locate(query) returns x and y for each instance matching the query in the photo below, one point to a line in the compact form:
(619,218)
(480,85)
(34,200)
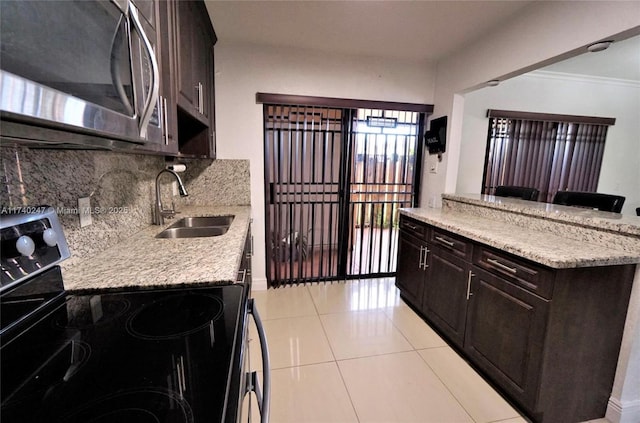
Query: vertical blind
(548,152)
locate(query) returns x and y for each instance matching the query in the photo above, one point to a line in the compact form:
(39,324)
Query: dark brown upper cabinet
(194,79)
(184,40)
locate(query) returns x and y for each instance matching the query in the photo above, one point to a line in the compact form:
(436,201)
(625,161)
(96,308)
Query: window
(544,151)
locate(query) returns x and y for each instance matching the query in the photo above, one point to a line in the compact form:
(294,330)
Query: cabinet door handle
(426,253)
(421,257)
(445,242)
(469,293)
(165,120)
(200,98)
(502,266)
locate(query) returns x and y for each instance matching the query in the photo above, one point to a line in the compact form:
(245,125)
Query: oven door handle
(264,396)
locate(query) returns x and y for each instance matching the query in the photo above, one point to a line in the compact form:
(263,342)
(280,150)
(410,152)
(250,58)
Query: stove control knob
(25,246)
(50,237)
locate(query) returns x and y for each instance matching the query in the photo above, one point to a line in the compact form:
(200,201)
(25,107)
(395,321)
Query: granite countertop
(547,248)
(145,262)
(613,222)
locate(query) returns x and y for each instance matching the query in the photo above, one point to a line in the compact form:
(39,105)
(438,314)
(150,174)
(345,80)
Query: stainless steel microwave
(79,74)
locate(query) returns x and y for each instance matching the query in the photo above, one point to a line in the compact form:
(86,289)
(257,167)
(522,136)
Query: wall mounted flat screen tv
(435,138)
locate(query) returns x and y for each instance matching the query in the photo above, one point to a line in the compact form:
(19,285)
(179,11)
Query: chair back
(594,200)
(525,193)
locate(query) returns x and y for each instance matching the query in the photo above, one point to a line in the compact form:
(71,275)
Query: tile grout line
(335,361)
(398,329)
(346,388)
(442,381)
(447,387)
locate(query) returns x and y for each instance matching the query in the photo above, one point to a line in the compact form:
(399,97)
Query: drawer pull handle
(412,227)
(445,242)
(502,266)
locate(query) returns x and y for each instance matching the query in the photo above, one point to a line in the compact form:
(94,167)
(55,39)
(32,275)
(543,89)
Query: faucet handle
(168,213)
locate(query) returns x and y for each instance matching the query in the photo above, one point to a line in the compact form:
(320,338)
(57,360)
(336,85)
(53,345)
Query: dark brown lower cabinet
(445,296)
(410,272)
(549,339)
(505,334)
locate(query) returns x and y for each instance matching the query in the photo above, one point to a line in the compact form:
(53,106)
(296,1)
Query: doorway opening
(335,178)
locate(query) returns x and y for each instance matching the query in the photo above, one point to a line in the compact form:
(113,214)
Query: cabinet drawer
(459,246)
(528,275)
(413,227)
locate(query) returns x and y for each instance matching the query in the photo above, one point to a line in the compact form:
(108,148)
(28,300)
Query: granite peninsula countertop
(144,262)
(612,222)
(547,248)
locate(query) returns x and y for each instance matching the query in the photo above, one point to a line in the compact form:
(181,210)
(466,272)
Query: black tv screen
(435,138)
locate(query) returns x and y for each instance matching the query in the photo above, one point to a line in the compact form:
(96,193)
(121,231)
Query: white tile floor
(354,352)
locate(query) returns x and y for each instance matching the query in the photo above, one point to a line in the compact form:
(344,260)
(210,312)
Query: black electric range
(170,356)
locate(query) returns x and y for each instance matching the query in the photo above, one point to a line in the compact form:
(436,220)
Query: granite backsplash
(121,188)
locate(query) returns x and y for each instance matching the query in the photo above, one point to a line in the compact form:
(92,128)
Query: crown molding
(582,78)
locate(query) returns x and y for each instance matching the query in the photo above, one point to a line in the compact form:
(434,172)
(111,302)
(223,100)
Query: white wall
(541,33)
(554,93)
(242,70)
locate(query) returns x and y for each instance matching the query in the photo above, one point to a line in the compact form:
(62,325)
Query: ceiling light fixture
(599,46)
(493,83)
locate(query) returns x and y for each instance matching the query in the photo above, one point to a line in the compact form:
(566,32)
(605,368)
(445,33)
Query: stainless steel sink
(186,232)
(198,227)
(206,221)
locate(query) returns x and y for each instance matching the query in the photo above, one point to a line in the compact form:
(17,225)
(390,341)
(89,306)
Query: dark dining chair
(525,193)
(593,200)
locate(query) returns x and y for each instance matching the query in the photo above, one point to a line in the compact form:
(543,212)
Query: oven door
(76,67)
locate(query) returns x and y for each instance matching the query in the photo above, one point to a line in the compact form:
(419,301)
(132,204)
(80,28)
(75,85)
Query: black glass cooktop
(146,356)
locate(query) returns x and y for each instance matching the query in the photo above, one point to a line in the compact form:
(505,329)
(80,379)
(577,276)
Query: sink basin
(200,222)
(198,227)
(193,232)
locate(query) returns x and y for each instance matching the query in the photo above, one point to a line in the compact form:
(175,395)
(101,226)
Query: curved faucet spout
(160,212)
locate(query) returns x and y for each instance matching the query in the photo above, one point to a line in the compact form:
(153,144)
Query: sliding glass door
(334,180)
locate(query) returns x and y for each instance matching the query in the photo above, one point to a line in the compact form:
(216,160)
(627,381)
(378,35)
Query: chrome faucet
(161,213)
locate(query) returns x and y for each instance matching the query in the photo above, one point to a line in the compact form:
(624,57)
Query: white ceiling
(621,61)
(416,30)
(419,30)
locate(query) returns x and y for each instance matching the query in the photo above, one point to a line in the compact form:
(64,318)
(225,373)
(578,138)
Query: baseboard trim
(623,412)
(259,284)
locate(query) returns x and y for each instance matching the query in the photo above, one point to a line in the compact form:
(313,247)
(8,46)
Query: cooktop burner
(58,369)
(134,406)
(175,316)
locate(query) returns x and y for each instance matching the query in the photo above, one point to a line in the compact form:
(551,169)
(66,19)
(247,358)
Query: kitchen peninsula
(534,295)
